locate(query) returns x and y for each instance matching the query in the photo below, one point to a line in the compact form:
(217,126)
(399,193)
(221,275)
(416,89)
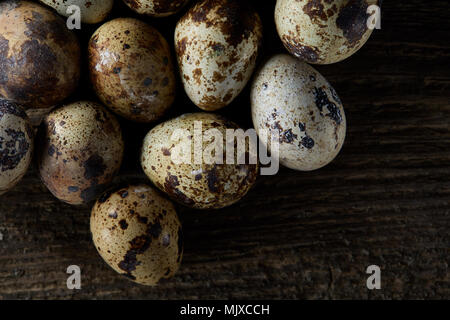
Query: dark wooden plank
(385,200)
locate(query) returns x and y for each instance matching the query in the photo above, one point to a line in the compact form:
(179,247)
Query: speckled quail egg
(137,232)
(79,151)
(217,43)
(156,8)
(92,11)
(16,144)
(296,103)
(323,31)
(184,157)
(39,56)
(131,69)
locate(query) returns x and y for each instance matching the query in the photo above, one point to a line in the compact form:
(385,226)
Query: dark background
(385,200)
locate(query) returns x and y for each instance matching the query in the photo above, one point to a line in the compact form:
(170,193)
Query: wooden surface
(385,200)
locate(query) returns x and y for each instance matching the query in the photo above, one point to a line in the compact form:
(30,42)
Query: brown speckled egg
(323,31)
(39,56)
(156,8)
(131,69)
(16,144)
(137,232)
(291,99)
(92,11)
(79,151)
(195,181)
(217,43)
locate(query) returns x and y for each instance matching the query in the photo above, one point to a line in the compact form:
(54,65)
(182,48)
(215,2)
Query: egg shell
(137,232)
(16,144)
(132,70)
(156,8)
(79,151)
(292,99)
(323,31)
(217,43)
(39,56)
(196,184)
(92,11)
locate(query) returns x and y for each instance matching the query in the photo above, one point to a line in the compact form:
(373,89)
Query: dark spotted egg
(185,158)
(16,144)
(156,8)
(131,69)
(296,103)
(79,151)
(323,31)
(137,232)
(39,56)
(217,43)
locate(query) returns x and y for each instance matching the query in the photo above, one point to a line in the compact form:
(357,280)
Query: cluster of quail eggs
(78,147)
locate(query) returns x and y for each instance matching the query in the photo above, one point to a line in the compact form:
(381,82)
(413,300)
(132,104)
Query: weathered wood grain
(384,201)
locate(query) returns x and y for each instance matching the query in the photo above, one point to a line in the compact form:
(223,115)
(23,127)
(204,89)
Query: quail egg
(156,8)
(185,157)
(131,69)
(217,43)
(292,100)
(323,31)
(39,56)
(137,232)
(92,11)
(16,144)
(79,151)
